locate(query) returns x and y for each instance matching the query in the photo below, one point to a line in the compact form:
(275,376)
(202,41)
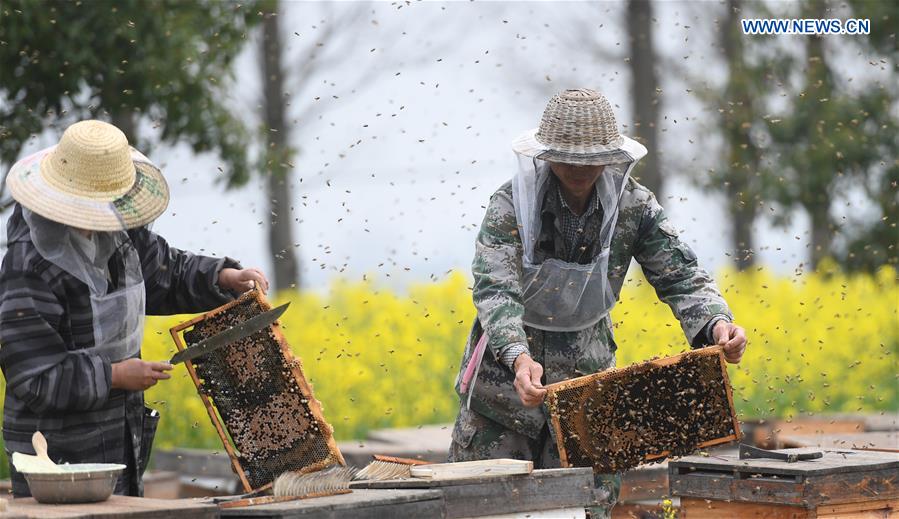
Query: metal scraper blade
(233,334)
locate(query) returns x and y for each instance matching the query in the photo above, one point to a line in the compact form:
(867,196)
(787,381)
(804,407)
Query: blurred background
(349,150)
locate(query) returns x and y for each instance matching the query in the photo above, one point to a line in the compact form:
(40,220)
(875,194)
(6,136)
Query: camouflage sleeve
(497,276)
(670,266)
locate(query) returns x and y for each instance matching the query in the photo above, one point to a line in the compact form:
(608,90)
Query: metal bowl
(75,483)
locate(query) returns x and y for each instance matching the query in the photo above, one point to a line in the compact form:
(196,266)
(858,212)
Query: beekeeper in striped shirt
(80,273)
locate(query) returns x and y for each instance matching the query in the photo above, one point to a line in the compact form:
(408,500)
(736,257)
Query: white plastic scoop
(26,463)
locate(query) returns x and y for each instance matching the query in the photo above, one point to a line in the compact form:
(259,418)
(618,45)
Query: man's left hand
(732,337)
(243,280)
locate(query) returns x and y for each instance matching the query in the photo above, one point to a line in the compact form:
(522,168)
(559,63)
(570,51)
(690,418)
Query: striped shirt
(54,382)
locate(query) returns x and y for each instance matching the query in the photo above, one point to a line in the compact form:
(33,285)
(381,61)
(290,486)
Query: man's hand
(138,375)
(527,380)
(243,280)
(732,337)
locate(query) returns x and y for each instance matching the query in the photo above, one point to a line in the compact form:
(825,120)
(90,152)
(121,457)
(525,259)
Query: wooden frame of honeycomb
(257,397)
(620,418)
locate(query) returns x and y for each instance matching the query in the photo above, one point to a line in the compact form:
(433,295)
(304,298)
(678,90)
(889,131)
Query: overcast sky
(410,133)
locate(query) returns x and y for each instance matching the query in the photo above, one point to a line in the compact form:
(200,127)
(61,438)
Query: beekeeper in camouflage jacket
(551,257)
(80,272)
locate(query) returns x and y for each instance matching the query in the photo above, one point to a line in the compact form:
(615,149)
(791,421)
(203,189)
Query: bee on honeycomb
(619,419)
(262,397)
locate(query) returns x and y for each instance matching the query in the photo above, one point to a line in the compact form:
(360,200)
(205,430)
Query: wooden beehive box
(257,397)
(843,483)
(542,493)
(620,418)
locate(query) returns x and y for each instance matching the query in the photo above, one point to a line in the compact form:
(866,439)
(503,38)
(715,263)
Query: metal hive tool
(258,398)
(621,418)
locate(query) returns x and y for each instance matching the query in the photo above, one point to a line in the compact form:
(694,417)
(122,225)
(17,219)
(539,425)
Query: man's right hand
(138,375)
(527,380)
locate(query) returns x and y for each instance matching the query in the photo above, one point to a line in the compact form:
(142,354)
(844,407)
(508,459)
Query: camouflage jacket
(642,232)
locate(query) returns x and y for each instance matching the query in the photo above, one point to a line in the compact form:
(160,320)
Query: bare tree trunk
(280,236)
(822,233)
(742,215)
(742,159)
(124,120)
(644,97)
(817,197)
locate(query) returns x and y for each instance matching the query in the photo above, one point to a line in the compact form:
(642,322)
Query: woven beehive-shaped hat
(92,179)
(578,127)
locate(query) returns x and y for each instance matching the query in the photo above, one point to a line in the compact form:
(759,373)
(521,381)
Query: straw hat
(91,180)
(578,127)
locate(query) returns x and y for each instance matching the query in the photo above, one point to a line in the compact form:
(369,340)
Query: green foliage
(802,129)
(167,60)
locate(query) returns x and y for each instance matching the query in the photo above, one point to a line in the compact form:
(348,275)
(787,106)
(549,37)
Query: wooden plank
(574,474)
(802,492)
(644,482)
(692,508)
(880,508)
(518,494)
(117,507)
(701,484)
(842,488)
(541,490)
(473,469)
(376,504)
(556,513)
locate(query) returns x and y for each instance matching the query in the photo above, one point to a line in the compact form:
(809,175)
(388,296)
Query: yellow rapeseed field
(818,342)
(822,342)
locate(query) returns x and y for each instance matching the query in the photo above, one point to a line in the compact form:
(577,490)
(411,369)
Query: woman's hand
(243,280)
(138,375)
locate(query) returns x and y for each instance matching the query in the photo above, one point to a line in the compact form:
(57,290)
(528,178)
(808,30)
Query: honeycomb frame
(293,397)
(610,438)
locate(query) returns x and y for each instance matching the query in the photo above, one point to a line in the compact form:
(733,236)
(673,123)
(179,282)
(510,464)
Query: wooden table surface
(113,508)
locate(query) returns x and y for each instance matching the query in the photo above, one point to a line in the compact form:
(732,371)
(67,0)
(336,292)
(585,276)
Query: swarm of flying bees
(262,398)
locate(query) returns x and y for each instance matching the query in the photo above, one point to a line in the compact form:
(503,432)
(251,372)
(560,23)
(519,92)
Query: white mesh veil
(118,316)
(559,295)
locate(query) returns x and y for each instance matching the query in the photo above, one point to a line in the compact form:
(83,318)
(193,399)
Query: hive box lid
(833,462)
